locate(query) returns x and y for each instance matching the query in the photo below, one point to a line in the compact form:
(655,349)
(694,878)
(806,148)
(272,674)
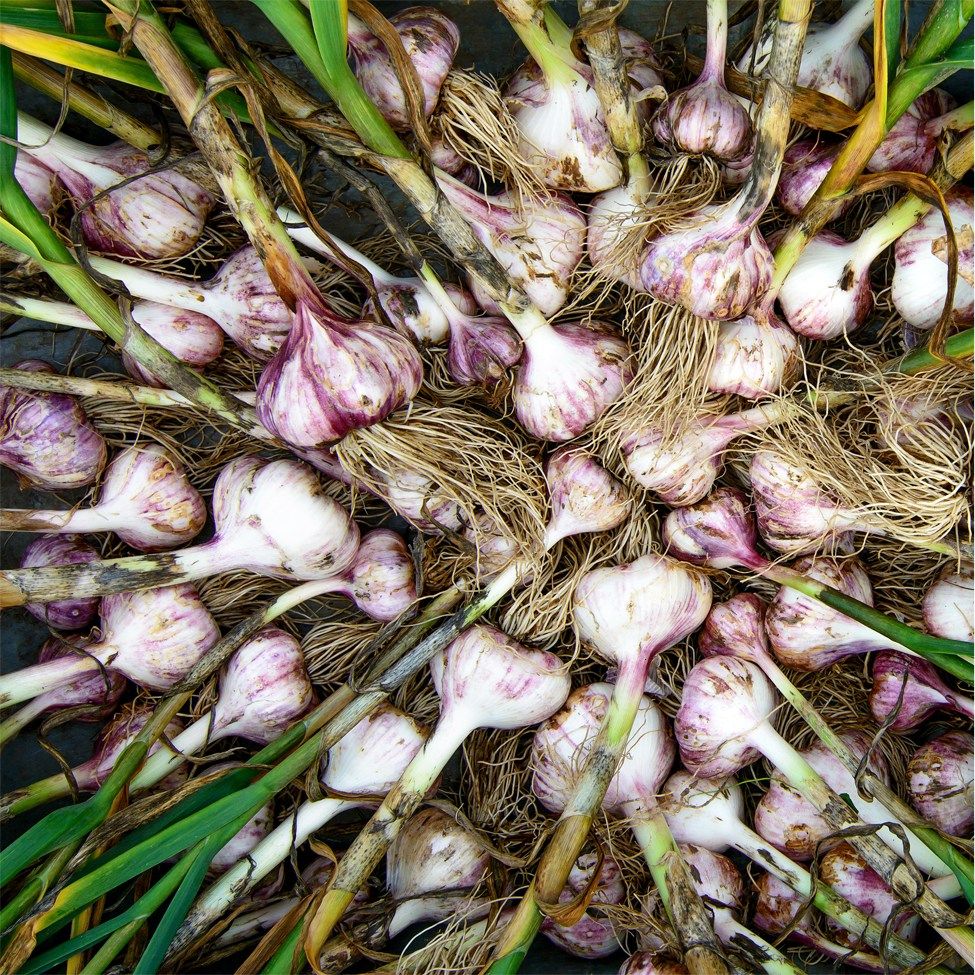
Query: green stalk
(959,346)
(34,890)
(944,23)
(287,960)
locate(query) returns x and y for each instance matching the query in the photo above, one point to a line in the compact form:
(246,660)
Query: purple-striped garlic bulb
(593,935)
(736,628)
(939,782)
(246,838)
(911,144)
(808,635)
(650,963)
(755,356)
(431,869)
(430,40)
(145,497)
(62,614)
(947,607)
(37,181)
(160,215)
(907,690)
(46,438)
(804,167)
(680,467)
(332,376)
(152,636)
(538,242)
(630,613)
(919,287)
(482,349)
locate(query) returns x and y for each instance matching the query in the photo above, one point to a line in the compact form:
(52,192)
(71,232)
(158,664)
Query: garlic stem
(29,682)
(55,312)
(58,149)
(717,42)
(848,30)
(163,761)
(771,960)
(163,288)
(12,726)
(553,64)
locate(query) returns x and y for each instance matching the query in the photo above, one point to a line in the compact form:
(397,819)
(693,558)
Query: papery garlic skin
(415,498)
(806,634)
(331,377)
(747,700)
(634,611)
(160,215)
(432,855)
(593,935)
(793,512)
(193,338)
(47,438)
(939,783)
(243,841)
(263,512)
(683,794)
(562,129)
(911,144)
(804,167)
(486,679)
(263,688)
(147,500)
(907,690)
(755,356)
(411,308)
(648,963)
(563,742)
(919,287)
(947,607)
(382,579)
(482,350)
(37,181)
(538,242)
(736,628)
(611,218)
(718,532)
(583,495)
(430,40)
(794,826)
(62,614)
(705,119)
(827,293)
(570,374)
(99,693)
(715,268)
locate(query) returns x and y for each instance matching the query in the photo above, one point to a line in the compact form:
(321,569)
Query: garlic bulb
(736,628)
(649,963)
(95,695)
(705,117)
(832,61)
(583,496)
(909,690)
(382,578)
(47,438)
(431,868)
(160,215)
(947,607)
(613,217)
(718,532)
(570,373)
(911,144)
(332,376)
(806,634)
(561,746)
(430,39)
(920,283)
(62,614)
(240,298)
(804,167)
(37,181)
(716,266)
(153,637)
(755,355)
(482,349)
(243,841)
(794,513)
(827,294)
(538,242)
(144,497)
(593,935)
(939,782)
(630,613)
(681,467)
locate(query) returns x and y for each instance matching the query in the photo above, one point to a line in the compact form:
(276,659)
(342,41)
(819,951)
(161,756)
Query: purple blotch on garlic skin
(430,39)
(790,823)
(593,935)
(569,375)
(62,614)
(919,286)
(939,782)
(910,690)
(332,376)
(39,183)
(806,634)
(755,355)
(47,437)
(718,532)
(804,167)
(947,607)
(161,215)
(431,868)
(911,144)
